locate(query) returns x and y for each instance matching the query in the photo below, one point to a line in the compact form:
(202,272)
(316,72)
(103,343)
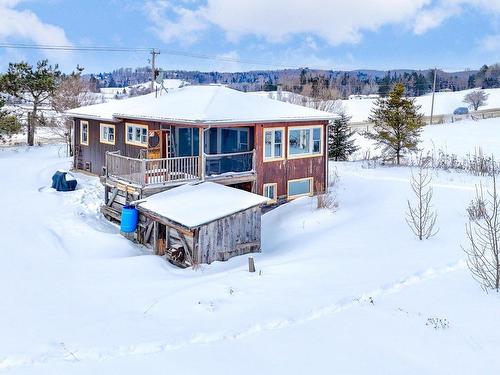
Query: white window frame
(310,153)
(82,124)
(274,185)
(104,133)
(311,187)
(134,141)
(273,157)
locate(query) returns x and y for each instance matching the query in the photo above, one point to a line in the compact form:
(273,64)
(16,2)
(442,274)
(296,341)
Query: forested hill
(316,83)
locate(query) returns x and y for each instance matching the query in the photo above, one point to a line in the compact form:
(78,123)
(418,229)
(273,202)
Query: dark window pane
(299,187)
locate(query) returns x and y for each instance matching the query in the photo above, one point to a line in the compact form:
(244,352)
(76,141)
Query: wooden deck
(165,172)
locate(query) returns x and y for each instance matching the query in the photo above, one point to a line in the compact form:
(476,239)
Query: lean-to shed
(203,222)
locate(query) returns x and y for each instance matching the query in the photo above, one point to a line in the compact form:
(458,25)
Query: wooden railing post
(144,171)
(203,157)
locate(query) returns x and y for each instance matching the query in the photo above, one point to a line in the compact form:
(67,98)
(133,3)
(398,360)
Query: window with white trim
(137,134)
(304,141)
(84,133)
(273,144)
(107,133)
(300,187)
(270,191)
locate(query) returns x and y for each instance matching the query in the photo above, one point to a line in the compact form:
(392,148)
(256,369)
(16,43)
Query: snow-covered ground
(43,135)
(349,292)
(444,103)
(459,138)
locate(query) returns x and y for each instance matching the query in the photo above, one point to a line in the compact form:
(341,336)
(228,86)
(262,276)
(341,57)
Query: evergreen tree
(33,84)
(340,139)
(397,124)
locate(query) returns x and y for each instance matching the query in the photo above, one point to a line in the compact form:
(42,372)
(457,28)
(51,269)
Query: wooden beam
(155,237)
(113,196)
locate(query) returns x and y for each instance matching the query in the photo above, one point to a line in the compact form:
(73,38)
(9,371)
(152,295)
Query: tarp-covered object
(62,181)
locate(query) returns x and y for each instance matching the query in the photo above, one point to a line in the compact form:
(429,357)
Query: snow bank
(330,288)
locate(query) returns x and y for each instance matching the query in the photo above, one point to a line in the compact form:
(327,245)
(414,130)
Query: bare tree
(476,99)
(421,218)
(72,92)
(483,234)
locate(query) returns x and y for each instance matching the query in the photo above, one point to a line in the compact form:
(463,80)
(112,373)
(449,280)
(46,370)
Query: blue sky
(330,34)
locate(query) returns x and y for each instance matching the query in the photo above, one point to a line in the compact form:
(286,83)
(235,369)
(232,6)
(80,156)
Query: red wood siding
(95,152)
(281,171)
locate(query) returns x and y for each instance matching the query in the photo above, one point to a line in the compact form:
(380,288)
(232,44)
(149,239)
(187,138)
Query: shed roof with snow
(194,205)
(208,104)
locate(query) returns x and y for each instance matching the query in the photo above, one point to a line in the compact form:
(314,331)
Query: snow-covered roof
(193,205)
(210,104)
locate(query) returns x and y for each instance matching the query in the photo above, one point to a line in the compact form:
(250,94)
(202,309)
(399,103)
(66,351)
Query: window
(304,141)
(300,187)
(270,191)
(188,142)
(233,140)
(84,133)
(137,135)
(107,133)
(227,140)
(273,144)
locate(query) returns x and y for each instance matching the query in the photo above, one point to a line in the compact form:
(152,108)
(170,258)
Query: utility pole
(153,52)
(433,92)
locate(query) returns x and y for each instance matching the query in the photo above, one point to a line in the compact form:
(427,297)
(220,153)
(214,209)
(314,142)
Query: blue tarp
(62,183)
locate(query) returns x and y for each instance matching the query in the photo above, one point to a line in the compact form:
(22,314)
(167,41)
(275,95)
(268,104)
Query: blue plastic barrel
(130,217)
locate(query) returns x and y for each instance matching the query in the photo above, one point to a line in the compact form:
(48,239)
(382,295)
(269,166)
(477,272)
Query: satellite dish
(161,76)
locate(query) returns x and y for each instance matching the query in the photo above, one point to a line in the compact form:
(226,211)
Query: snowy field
(350,292)
(459,138)
(444,103)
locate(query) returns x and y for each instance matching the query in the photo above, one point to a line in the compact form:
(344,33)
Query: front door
(165,144)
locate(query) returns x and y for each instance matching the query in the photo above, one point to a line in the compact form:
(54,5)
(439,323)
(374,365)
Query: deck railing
(144,172)
(235,162)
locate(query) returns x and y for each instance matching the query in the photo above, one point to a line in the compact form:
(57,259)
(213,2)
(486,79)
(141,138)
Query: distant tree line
(324,84)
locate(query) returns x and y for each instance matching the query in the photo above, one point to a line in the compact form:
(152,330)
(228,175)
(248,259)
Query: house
(202,222)
(147,144)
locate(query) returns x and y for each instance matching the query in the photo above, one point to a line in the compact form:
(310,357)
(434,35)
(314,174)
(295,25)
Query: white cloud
(25,24)
(334,21)
(185,27)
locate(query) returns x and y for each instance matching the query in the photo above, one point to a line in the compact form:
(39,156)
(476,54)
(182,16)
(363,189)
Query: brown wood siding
(281,171)
(95,152)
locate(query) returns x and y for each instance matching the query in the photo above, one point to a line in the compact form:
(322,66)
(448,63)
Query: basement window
(300,187)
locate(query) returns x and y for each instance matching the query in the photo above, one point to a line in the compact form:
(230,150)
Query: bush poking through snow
(421,218)
(438,323)
(483,249)
(328,200)
(477,208)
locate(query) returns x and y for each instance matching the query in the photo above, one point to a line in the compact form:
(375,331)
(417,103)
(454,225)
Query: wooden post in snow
(251,264)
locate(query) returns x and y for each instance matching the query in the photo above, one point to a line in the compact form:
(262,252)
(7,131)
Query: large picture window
(305,141)
(300,187)
(188,142)
(107,133)
(84,133)
(273,144)
(137,135)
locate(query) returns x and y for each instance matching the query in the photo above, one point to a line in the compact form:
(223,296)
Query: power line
(202,56)
(143,49)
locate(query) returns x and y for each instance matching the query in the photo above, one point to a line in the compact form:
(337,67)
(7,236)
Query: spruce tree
(397,124)
(340,139)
